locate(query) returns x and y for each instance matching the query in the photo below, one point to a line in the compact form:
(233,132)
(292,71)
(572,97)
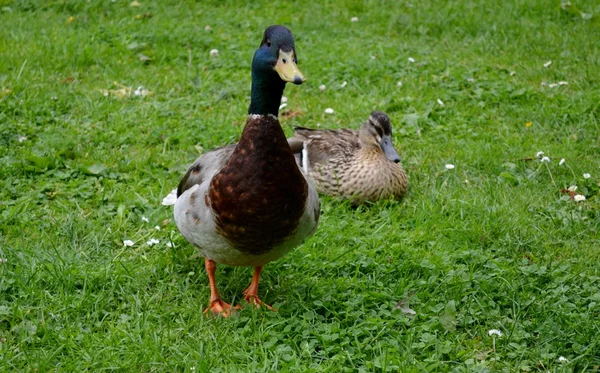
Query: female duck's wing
(205,167)
(313,146)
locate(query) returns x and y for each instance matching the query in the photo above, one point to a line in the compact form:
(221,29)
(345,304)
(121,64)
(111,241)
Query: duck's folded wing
(321,145)
(205,167)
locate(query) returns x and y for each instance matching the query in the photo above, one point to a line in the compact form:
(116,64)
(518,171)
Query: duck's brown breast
(260,194)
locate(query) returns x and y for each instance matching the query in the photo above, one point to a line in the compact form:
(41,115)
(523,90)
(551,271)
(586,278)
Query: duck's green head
(377,132)
(274,64)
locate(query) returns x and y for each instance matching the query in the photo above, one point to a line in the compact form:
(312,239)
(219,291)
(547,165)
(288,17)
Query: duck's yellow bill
(287,68)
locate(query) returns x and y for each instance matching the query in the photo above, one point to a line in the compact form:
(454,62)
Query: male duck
(249,204)
(357,165)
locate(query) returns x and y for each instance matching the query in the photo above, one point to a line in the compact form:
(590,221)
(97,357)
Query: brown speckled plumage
(351,164)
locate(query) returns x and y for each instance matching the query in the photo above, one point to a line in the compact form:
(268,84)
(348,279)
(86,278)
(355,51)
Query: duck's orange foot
(255,301)
(220,308)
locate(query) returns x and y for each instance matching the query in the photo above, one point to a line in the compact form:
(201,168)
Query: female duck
(360,166)
(249,204)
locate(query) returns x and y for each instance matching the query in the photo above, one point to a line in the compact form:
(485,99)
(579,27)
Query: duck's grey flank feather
(205,167)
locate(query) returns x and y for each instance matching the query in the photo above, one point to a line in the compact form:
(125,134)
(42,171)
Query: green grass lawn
(490,244)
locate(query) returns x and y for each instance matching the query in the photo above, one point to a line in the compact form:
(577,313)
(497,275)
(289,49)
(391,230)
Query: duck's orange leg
(251,294)
(217,306)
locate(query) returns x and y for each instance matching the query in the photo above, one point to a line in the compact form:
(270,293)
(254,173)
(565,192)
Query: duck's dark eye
(284,60)
(268,43)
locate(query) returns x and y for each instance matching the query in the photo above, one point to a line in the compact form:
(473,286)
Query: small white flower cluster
(214,52)
(329,110)
(449,166)
(554,85)
(283,102)
(128,243)
(141,91)
(576,197)
(573,188)
(152,242)
(543,158)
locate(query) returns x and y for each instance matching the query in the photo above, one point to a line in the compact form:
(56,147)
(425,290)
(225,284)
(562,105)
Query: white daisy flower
(354,19)
(548,64)
(152,241)
(411,60)
(579,198)
(586,176)
(545,159)
(562,161)
(157,228)
(21,138)
(214,52)
(141,91)
(539,154)
(322,88)
(329,110)
(563,359)
(145,219)
(127,243)
(283,99)
(496,332)
(449,166)
(572,188)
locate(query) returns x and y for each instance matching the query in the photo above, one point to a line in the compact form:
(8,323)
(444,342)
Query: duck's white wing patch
(170,199)
(305,157)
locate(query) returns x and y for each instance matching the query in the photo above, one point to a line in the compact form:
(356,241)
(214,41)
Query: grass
(491,244)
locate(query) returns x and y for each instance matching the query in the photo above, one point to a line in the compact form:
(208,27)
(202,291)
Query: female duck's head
(274,64)
(377,133)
